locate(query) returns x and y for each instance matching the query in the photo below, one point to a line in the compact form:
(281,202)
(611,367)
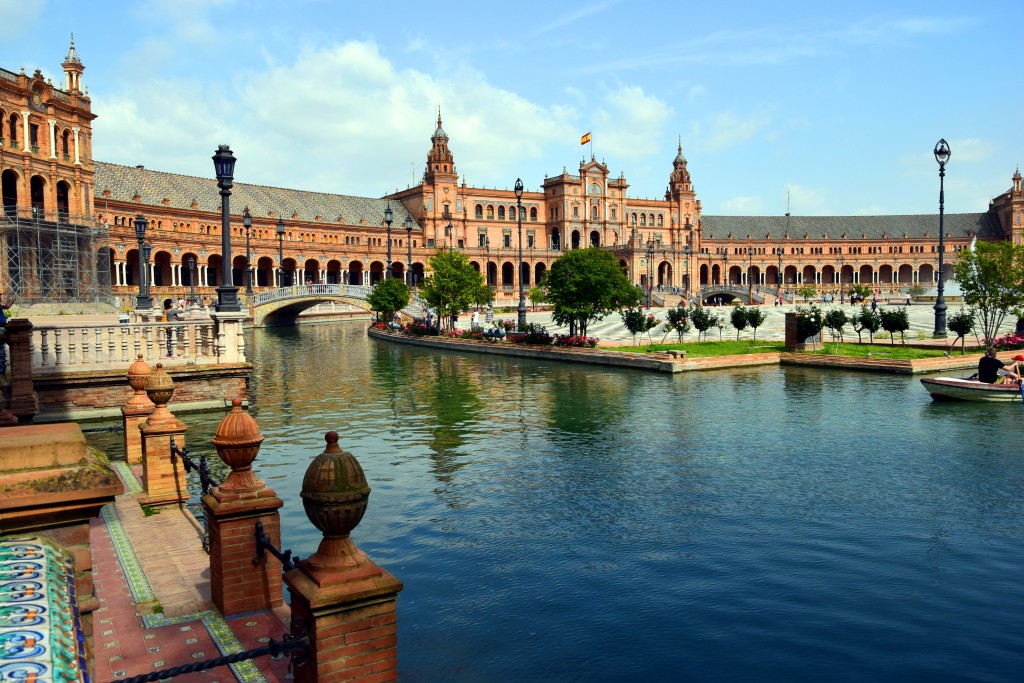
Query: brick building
(49,175)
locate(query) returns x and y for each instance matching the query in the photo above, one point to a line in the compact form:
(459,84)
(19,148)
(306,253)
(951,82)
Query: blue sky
(838,106)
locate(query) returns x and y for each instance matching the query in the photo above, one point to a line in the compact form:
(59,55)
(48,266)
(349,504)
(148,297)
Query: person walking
(474,320)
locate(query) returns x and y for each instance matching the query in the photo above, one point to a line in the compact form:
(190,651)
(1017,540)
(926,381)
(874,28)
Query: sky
(824,108)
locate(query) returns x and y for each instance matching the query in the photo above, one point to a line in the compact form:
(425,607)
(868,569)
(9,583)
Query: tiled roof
(153,187)
(955,226)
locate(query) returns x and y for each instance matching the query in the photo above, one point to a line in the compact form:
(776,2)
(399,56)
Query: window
(479,212)
(633,219)
(593,212)
(533,214)
(613,213)
(508,240)
(575,212)
(482,237)
(643,219)
(660,220)
(501,213)
(529,241)
(490,212)
(511,213)
(33,136)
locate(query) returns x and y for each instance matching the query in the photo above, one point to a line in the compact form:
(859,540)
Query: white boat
(969,389)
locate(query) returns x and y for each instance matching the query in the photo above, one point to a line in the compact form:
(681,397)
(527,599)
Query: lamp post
(280,252)
(147,251)
(227,293)
(447,231)
(519,266)
(941,156)
(725,275)
(686,265)
(487,267)
(778,272)
(750,267)
(191,261)
(650,262)
(247,222)
(389,216)
(408,244)
(142,301)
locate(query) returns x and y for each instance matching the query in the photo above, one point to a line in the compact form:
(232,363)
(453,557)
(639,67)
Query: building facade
(51,181)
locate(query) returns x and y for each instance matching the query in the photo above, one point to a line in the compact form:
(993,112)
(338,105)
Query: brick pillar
(163,476)
(343,600)
(138,409)
(791,340)
(238,582)
(24,404)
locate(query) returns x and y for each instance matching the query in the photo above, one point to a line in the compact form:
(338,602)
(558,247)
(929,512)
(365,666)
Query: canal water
(554,522)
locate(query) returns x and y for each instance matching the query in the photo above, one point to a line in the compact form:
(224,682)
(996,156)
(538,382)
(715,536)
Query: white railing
(85,346)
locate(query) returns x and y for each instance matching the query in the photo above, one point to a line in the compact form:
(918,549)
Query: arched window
(12,130)
(652,219)
(501,213)
(643,219)
(511,213)
(660,220)
(479,211)
(593,212)
(490,212)
(533,214)
(632,219)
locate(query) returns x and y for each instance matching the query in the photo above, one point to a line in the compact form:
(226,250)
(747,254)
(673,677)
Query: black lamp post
(650,263)
(227,293)
(280,252)
(408,244)
(389,216)
(487,267)
(778,273)
(725,275)
(142,301)
(191,261)
(750,267)
(686,265)
(941,156)
(247,222)
(147,252)
(519,266)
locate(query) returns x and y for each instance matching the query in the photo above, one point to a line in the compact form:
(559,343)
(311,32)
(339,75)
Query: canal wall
(98,394)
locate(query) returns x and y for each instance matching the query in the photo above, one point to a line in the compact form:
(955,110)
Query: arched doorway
(575,239)
(37,190)
(311,272)
(63,201)
(539,271)
(9,184)
(595,238)
(555,240)
(508,274)
(355,272)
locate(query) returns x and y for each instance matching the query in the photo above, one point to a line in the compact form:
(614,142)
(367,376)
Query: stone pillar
(341,598)
(24,403)
(791,341)
(163,476)
(241,582)
(136,411)
(230,342)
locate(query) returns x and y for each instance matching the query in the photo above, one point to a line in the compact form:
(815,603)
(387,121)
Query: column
(24,135)
(78,161)
(163,476)
(238,585)
(53,137)
(344,601)
(24,404)
(137,410)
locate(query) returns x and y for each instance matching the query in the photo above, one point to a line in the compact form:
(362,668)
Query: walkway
(152,580)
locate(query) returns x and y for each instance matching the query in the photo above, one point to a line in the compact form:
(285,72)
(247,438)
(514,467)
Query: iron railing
(202,468)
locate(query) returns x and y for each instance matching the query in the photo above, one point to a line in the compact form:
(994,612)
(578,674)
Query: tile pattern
(41,634)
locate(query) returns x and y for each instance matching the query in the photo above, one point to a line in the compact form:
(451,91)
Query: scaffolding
(47,259)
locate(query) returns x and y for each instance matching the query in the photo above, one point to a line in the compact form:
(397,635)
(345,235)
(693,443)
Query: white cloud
(629,123)
(742,206)
(729,129)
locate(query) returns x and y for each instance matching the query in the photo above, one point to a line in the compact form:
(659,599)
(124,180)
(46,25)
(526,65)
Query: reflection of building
(60,203)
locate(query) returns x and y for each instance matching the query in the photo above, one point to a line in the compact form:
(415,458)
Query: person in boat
(989,367)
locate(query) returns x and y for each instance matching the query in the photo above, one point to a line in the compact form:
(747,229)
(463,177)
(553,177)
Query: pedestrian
(474,320)
(908,298)
(489,315)
(874,304)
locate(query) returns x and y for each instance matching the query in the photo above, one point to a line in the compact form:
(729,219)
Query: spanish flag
(585,139)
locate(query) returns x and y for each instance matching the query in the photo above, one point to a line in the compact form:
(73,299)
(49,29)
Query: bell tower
(683,200)
(440,162)
(72,69)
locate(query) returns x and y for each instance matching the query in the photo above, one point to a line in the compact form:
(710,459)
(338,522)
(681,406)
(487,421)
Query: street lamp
(142,301)
(389,216)
(247,222)
(941,156)
(227,293)
(725,278)
(487,267)
(519,265)
(650,262)
(778,272)
(147,251)
(750,267)
(408,243)
(686,265)
(191,261)
(448,231)
(280,252)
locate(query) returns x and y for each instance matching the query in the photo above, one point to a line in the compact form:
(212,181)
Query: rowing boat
(965,389)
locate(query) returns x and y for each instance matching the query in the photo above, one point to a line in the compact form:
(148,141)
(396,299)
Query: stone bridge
(280,307)
(740,292)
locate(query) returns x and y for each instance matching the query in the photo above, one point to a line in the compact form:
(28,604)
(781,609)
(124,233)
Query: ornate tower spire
(72,69)
(440,161)
(679,179)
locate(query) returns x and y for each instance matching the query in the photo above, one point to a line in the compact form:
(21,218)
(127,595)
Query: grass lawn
(745,346)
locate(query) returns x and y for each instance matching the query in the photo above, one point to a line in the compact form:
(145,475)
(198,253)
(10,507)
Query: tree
(863,291)
(807,292)
(834,321)
(638,322)
(808,323)
(585,285)
(755,318)
(678,321)
(866,320)
(961,322)
(739,320)
(895,320)
(703,320)
(453,286)
(536,296)
(991,277)
(388,297)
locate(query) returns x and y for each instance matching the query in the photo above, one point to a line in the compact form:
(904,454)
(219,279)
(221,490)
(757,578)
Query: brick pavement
(152,581)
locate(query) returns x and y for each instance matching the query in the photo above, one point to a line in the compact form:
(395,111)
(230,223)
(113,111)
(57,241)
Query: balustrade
(80,346)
